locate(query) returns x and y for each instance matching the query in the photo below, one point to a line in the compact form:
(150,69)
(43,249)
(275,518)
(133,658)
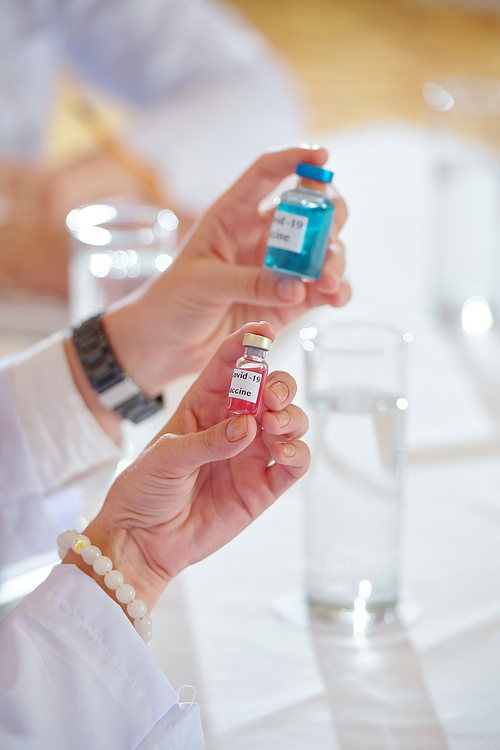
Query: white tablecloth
(235,626)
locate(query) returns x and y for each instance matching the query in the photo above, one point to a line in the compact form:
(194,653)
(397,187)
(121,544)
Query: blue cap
(314,173)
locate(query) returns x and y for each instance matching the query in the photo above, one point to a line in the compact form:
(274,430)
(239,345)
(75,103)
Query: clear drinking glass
(115,249)
(465,115)
(357,401)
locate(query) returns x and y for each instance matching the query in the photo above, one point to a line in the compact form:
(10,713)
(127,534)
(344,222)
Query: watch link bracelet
(116,389)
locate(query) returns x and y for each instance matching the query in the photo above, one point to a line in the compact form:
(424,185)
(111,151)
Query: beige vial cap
(260,342)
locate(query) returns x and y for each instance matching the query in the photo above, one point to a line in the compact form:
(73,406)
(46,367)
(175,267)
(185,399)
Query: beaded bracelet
(103,566)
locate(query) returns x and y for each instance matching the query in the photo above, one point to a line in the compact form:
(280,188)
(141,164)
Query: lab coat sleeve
(61,437)
(209,93)
(75,674)
(47,438)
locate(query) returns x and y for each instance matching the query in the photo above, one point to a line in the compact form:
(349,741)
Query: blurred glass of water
(357,404)
(115,249)
(465,118)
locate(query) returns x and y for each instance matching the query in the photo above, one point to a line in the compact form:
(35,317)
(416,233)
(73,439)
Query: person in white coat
(74,670)
(206,96)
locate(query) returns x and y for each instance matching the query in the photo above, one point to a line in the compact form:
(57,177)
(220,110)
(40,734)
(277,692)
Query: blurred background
(356,60)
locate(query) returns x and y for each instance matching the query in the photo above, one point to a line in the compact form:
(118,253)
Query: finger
(342,297)
(179,455)
(270,169)
(292,460)
(279,390)
(291,422)
(333,269)
(341,212)
(252,285)
(315,298)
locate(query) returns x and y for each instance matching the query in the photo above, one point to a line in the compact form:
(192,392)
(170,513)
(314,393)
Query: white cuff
(76,674)
(64,438)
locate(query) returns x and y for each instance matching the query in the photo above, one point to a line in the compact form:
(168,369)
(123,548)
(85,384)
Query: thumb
(177,455)
(254,285)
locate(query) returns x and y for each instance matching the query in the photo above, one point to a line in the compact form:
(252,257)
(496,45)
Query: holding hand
(217,283)
(203,479)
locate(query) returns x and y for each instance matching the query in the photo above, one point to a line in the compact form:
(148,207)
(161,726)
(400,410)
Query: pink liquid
(240,406)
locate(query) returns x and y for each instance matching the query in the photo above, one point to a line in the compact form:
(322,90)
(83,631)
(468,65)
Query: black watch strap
(116,389)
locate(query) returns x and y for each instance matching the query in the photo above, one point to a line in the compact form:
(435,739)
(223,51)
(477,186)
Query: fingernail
(310,146)
(344,295)
(288,288)
(329,283)
(283,417)
(288,449)
(237,428)
(280,389)
(334,247)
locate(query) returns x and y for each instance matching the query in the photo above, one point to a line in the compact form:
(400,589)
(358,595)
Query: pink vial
(249,376)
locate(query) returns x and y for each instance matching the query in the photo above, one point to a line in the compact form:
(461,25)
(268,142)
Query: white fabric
(208,94)
(76,674)
(63,438)
(29,522)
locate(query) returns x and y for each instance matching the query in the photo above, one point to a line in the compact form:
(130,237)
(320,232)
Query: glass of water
(115,249)
(357,401)
(465,116)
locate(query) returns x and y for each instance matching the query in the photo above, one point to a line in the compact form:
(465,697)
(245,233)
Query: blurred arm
(209,94)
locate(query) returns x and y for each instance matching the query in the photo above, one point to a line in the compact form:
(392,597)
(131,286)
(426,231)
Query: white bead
(62,552)
(137,608)
(113,579)
(91,554)
(102,565)
(66,539)
(80,543)
(146,635)
(125,593)
(143,624)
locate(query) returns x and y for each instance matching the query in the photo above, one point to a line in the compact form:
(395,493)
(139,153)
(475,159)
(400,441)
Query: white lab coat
(208,93)
(73,671)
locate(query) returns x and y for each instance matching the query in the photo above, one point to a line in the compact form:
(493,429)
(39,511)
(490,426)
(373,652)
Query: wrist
(141,343)
(128,335)
(127,558)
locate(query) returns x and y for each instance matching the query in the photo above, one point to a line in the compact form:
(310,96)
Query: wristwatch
(116,389)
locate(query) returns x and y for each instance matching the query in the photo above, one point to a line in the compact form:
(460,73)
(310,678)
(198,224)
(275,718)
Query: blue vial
(301,225)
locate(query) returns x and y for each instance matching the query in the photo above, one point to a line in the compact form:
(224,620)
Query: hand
(217,283)
(203,479)
(33,249)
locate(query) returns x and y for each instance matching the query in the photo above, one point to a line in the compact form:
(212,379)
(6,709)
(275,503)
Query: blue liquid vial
(301,225)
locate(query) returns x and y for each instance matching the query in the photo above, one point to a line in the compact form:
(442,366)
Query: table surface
(235,626)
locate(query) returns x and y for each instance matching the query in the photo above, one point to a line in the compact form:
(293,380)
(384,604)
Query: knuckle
(208,440)
(248,284)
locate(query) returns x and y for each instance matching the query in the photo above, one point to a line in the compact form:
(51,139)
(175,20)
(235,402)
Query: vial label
(245,385)
(288,231)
